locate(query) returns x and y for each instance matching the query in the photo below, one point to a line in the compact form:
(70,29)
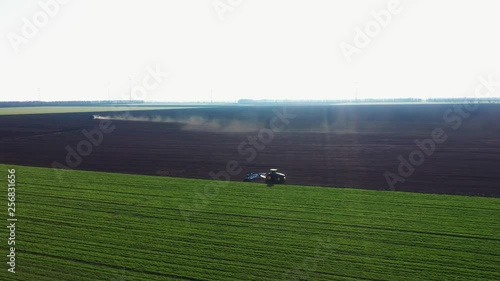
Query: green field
(79,225)
(73,109)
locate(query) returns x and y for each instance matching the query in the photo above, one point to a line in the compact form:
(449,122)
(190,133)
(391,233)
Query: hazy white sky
(86,50)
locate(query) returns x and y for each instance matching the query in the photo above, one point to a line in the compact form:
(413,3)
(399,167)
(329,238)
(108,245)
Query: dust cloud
(194,123)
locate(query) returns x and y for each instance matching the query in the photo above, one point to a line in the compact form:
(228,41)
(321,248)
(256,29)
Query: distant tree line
(398,100)
(465,100)
(67,103)
(247,101)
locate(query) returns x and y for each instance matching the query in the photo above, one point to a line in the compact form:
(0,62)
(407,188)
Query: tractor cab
(273,177)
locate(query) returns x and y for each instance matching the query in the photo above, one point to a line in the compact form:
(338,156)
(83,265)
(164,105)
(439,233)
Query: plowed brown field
(341,146)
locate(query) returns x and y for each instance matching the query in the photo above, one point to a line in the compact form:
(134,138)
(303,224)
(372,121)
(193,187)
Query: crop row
(98,226)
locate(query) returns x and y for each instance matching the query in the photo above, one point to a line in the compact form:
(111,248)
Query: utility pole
(109,91)
(130,89)
(356,84)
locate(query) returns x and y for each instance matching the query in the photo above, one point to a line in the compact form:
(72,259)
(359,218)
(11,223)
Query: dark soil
(341,146)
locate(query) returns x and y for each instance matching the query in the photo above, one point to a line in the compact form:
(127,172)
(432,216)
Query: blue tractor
(272,177)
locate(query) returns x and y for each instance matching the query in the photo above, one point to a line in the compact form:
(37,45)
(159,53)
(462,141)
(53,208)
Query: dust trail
(194,123)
